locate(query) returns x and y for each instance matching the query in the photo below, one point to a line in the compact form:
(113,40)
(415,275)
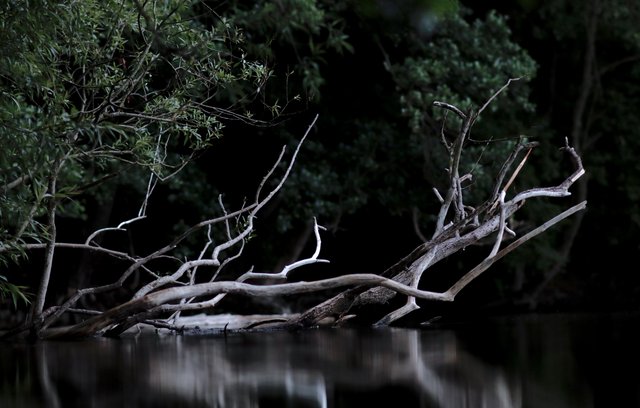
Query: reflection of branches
(44,376)
(417,362)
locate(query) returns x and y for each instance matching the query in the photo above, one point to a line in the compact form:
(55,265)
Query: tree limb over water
(163,297)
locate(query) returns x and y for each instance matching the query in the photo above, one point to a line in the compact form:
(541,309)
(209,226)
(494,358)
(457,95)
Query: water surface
(527,361)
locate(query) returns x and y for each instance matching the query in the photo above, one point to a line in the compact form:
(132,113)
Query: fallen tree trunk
(160,300)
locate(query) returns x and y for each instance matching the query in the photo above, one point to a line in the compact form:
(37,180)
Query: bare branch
(150,118)
(240,237)
(100,231)
(495,95)
(561,190)
(409,307)
(224,211)
(452,238)
(115,254)
(311,260)
(163,297)
(416,226)
(484,265)
(417,268)
(227,261)
(450,107)
(455,190)
(283,274)
(443,139)
(15,183)
(516,171)
(438,196)
(501,228)
(131,221)
(615,64)
(139,263)
(164,280)
(507,165)
(261,203)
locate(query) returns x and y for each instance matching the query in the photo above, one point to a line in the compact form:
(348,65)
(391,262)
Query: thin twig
(516,171)
(450,107)
(495,95)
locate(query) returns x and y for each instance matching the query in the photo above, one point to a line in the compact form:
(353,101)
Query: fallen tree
(160,299)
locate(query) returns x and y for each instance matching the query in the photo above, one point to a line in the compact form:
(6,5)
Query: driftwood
(161,299)
(458,226)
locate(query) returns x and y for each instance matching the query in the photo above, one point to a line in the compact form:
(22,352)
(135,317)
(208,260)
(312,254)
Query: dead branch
(455,232)
(490,260)
(15,183)
(495,95)
(160,299)
(38,304)
(54,314)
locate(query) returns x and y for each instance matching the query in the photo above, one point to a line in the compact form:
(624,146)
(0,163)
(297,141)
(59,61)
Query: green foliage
(113,90)
(96,90)
(297,45)
(391,155)
(16,293)
(464,63)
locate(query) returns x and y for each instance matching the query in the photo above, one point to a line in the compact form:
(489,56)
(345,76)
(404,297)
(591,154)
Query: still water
(527,361)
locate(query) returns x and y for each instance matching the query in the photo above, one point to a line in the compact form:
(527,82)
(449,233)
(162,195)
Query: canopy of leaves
(379,145)
(95,90)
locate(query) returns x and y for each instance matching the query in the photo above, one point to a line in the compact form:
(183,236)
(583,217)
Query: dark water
(528,361)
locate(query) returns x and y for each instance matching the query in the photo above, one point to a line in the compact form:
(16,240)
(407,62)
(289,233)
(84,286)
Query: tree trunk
(38,304)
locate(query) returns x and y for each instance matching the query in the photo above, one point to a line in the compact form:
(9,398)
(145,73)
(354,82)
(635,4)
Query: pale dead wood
(484,265)
(251,210)
(453,232)
(160,300)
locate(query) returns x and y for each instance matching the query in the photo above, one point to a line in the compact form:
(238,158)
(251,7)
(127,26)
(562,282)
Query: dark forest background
(371,70)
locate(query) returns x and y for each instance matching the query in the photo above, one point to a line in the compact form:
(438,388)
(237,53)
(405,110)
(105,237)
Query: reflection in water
(515,363)
(314,368)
